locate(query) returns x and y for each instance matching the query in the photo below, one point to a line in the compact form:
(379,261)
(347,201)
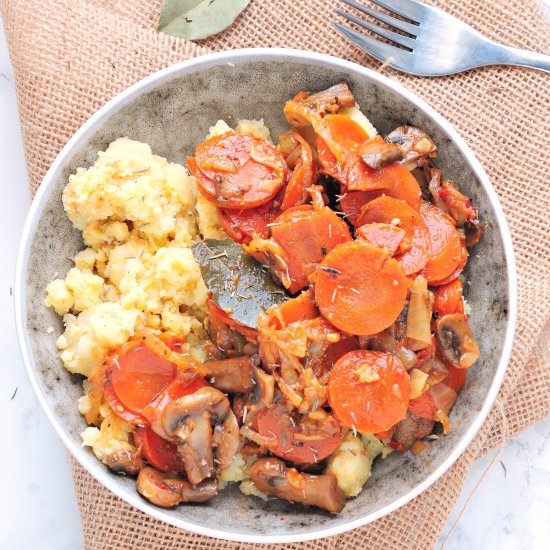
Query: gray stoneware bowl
(172,110)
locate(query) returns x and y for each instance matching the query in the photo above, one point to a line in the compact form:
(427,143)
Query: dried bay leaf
(196,19)
(236,280)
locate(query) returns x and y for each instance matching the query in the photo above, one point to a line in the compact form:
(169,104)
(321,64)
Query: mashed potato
(351,463)
(239,471)
(113,435)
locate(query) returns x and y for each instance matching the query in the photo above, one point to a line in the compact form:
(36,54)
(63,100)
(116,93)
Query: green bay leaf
(196,19)
(236,280)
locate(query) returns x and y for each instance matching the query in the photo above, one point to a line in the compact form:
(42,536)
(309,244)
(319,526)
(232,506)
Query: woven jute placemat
(71,56)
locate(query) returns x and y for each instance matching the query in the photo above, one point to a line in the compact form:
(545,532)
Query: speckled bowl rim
(259,54)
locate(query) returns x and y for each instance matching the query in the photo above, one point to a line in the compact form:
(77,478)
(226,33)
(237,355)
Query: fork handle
(498,54)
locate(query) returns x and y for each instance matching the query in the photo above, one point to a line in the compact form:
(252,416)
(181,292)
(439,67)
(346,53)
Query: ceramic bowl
(172,110)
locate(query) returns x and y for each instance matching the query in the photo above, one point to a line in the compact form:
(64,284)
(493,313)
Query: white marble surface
(511,509)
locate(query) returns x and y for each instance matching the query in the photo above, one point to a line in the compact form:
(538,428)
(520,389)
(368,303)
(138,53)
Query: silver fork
(435,43)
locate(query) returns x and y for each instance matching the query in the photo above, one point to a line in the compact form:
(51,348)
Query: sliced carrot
(301,308)
(397,182)
(302,176)
(238,171)
(360,289)
(242,225)
(384,235)
(118,408)
(423,406)
(460,268)
(373,405)
(216,311)
(328,163)
(445,243)
(351,203)
(448,299)
(138,375)
(159,452)
(342,135)
(306,236)
(304,440)
(456,378)
(440,397)
(417,238)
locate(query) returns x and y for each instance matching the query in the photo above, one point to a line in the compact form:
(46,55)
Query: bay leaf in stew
(239,284)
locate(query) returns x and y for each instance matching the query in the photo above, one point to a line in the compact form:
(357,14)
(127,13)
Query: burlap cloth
(70,57)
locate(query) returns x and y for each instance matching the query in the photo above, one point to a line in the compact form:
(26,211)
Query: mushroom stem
(272,477)
(168,490)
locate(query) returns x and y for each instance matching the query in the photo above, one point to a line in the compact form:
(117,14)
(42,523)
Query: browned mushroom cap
(375,155)
(189,419)
(272,477)
(410,429)
(124,462)
(234,375)
(168,490)
(339,95)
(414,143)
(300,110)
(456,344)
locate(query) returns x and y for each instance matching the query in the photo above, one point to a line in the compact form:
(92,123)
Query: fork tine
(377,49)
(388,19)
(399,39)
(406,8)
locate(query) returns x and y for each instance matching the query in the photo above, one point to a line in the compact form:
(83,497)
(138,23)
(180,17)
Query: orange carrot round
(300,308)
(417,238)
(328,163)
(384,235)
(242,225)
(398,183)
(448,299)
(306,236)
(445,243)
(369,390)
(238,170)
(461,265)
(359,288)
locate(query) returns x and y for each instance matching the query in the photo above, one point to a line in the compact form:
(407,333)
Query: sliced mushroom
(375,154)
(414,143)
(264,389)
(168,490)
(474,230)
(233,375)
(385,341)
(446,196)
(272,477)
(409,430)
(456,345)
(227,342)
(124,462)
(226,440)
(339,95)
(189,420)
